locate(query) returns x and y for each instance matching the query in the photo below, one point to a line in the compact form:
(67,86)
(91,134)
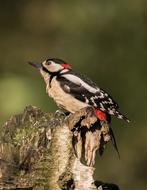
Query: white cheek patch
(80,82)
(53,67)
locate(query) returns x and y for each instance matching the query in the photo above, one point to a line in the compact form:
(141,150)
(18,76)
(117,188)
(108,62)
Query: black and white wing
(85,90)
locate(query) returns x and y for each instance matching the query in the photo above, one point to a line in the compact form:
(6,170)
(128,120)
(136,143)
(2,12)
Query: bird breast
(64,99)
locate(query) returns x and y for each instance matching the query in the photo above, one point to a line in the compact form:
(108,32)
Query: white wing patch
(64,71)
(80,82)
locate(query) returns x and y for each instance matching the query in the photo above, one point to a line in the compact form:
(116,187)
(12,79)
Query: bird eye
(48,63)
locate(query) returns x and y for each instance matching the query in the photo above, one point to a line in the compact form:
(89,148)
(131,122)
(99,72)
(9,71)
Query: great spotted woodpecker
(72,91)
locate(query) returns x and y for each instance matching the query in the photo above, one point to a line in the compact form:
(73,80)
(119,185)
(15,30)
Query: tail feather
(113,140)
(121,116)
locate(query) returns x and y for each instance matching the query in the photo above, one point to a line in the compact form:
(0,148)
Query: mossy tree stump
(42,151)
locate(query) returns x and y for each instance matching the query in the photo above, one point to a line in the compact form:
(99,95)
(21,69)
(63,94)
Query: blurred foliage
(107,40)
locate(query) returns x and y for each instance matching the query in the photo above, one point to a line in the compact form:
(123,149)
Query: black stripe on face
(52,74)
(45,70)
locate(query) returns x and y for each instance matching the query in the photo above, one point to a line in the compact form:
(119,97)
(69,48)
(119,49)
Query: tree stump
(42,151)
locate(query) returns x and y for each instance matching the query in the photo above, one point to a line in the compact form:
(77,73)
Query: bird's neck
(48,76)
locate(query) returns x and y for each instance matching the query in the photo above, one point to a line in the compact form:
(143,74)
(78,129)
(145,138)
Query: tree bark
(42,151)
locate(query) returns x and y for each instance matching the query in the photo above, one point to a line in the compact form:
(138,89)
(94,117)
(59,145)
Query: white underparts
(63,99)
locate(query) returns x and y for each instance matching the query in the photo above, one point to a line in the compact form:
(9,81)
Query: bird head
(51,65)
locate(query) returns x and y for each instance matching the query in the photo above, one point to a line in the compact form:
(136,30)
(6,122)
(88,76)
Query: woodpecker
(72,91)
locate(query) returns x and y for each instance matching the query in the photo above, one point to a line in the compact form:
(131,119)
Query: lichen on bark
(43,151)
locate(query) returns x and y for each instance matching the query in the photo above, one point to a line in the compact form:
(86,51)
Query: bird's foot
(60,113)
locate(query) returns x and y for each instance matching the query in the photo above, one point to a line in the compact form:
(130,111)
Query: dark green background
(105,39)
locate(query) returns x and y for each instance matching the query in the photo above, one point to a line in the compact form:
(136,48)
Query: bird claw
(60,113)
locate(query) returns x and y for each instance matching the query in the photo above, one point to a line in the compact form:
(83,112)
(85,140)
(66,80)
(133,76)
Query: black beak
(37,65)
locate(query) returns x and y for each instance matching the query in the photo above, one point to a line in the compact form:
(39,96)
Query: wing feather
(86,90)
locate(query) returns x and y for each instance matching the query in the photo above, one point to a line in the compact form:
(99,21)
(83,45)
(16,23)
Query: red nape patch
(101,115)
(66,66)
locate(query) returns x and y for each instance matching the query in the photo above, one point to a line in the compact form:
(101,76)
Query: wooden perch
(42,151)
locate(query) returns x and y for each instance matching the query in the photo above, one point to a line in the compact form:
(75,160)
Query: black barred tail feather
(121,116)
